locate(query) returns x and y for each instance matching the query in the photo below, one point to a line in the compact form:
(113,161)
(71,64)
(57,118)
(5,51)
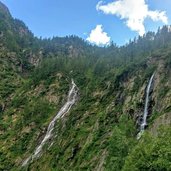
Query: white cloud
(98,36)
(134,12)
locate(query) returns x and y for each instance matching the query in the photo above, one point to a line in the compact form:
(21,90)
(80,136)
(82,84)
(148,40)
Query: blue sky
(97,23)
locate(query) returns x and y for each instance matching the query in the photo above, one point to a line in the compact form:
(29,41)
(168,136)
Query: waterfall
(71,99)
(145,114)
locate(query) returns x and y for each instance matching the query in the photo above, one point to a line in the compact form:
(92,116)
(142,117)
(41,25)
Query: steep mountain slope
(100,131)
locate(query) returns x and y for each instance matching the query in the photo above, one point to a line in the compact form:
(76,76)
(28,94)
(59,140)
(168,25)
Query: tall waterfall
(71,99)
(144,121)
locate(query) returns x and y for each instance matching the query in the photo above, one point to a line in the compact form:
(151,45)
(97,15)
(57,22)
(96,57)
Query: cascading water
(72,96)
(144,121)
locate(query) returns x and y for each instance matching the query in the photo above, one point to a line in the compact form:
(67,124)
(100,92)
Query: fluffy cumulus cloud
(134,12)
(98,36)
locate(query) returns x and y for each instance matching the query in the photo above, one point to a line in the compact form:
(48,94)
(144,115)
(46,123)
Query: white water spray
(72,96)
(144,121)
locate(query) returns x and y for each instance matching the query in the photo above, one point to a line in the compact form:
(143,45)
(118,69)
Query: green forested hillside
(100,131)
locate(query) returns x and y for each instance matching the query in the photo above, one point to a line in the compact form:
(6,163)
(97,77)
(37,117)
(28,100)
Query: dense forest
(99,133)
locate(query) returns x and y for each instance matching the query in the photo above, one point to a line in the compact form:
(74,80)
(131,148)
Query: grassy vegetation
(100,130)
